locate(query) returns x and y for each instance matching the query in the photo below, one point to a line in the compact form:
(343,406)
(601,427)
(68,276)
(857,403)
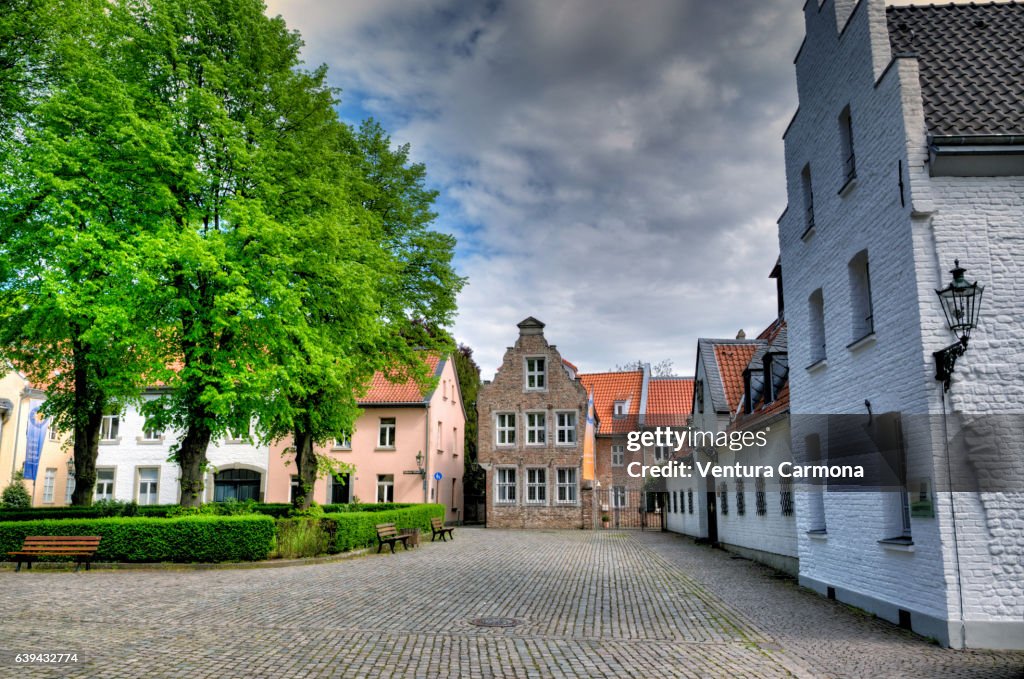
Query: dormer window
(620,409)
(536,374)
(748,394)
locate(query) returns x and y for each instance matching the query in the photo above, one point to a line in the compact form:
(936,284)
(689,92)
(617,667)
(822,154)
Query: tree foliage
(663,368)
(190,210)
(469,384)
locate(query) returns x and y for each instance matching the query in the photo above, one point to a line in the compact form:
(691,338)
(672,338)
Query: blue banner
(35,436)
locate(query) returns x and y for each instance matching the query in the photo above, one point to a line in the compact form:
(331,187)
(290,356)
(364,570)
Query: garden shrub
(303,537)
(204,539)
(15,496)
(358,529)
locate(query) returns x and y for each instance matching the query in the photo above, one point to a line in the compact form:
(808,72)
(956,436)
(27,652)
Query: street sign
(437,476)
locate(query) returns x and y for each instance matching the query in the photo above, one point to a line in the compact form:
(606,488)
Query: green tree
(469,384)
(73,258)
(15,495)
(663,368)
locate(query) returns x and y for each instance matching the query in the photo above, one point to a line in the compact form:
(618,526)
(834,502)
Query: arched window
(236,484)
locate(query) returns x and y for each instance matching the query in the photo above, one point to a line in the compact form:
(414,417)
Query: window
(620,409)
(741,499)
(860,297)
(344,442)
(506,429)
(675,501)
(536,485)
(769,379)
(786,496)
(385,487)
(151,433)
(566,481)
(618,497)
(565,428)
(816,317)
(148,481)
(760,499)
(339,491)
(808,191)
(386,435)
(506,480)
(48,481)
(689,500)
(536,373)
(698,395)
(618,455)
(52,434)
(69,489)
(108,428)
(662,453)
(723,499)
(536,428)
(104,485)
(439,442)
(236,484)
(846,146)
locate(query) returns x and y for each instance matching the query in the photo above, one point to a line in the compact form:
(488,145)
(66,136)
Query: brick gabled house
(530,432)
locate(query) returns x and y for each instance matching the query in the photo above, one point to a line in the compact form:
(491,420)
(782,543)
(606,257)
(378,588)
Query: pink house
(403,439)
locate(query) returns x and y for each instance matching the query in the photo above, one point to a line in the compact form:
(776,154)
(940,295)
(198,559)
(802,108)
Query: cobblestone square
(589,604)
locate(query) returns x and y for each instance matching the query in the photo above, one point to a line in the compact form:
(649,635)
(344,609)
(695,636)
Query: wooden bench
(81,547)
(387,534)
(437,528)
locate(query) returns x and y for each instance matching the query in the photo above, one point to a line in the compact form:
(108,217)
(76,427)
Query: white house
(905,155)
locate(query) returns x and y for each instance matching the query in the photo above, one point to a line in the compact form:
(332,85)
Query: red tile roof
(669,401)
(384,391)
(609,388)
(732,360)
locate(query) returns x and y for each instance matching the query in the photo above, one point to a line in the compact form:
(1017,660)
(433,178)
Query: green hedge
(358,529)
(42,513)
(367,507)
(203,539)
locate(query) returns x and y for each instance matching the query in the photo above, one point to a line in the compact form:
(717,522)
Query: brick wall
(507,393)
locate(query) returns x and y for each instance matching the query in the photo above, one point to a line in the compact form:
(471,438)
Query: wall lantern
(71,467)
(961,302)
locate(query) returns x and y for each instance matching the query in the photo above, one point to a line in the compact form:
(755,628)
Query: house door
(712,517)
(340,491)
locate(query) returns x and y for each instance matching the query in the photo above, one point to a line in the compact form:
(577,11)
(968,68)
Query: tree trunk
(305,467)
(192,460)
(88,417)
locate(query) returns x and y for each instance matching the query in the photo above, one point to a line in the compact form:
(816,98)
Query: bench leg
(18,566)
(380,546)
(392,547)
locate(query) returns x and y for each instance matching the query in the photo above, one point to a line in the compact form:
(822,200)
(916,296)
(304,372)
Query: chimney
(741,334)
(530,326)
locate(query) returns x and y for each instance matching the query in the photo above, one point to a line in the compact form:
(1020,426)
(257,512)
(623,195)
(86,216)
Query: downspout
(426,455)
(17,432)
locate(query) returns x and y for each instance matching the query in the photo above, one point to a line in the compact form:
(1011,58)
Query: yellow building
(19,418)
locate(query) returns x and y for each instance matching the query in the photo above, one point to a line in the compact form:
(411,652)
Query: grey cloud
(615,169)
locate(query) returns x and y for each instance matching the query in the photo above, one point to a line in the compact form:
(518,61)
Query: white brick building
(906,154)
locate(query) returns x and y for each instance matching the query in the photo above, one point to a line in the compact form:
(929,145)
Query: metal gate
(627,507)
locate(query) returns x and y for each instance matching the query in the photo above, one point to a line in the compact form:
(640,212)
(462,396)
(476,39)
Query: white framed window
(565,480)
(536,485)
(386,434)
(620,409)
(149,480)
(662,453)
(536,373)
(505,429)
(151,433)
(505,478)
(618,497)
(536,429)
(344,442)
(618,454)
(52,433)
(48,481)
(385,487)
(69,489)
(108,427)
(104,485)
(565,427)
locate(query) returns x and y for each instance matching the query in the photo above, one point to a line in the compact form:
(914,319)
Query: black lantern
(961,302)
(71,467)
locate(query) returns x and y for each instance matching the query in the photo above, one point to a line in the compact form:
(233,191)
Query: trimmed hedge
(358,529)
(204,539)
(43,513)
(367,507)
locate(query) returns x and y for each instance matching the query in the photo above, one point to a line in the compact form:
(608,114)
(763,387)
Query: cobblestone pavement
(590,604)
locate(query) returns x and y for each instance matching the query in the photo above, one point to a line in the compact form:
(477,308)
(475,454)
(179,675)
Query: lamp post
(71,467)
(961,302)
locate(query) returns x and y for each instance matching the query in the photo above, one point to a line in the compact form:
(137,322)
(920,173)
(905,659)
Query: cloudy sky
(613,168)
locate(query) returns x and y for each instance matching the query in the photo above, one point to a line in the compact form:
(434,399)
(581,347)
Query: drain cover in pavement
(494,622)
